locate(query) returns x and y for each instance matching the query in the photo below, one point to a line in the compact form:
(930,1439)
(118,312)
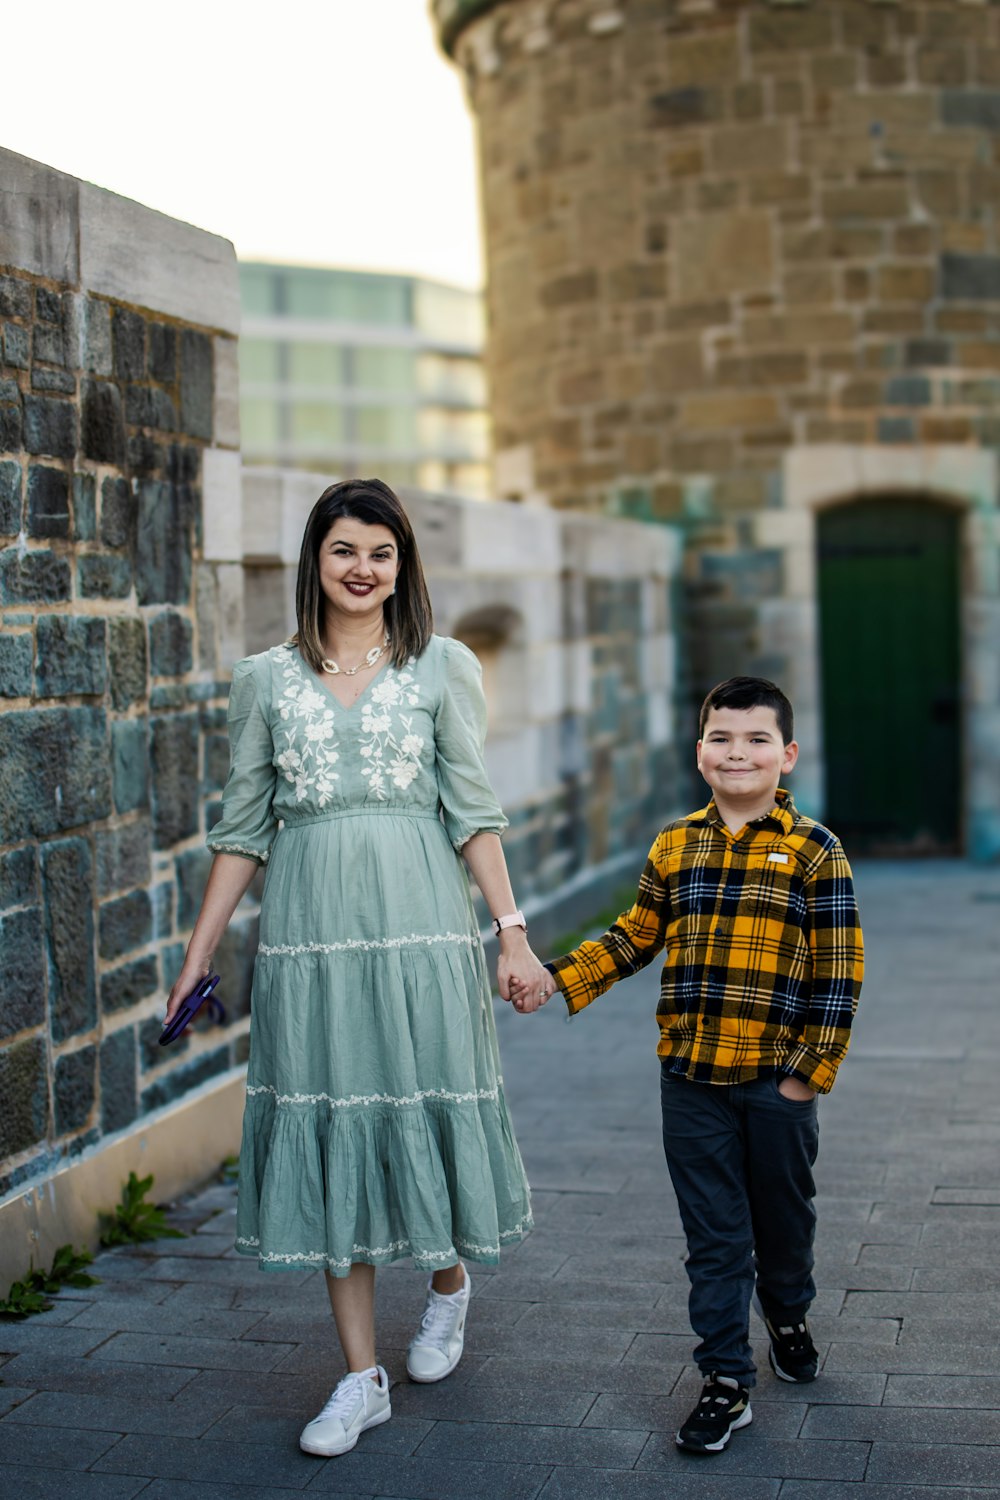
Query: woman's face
(358,565)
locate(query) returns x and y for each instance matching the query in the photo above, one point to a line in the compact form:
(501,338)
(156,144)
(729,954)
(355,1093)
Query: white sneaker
(357,1403)
(437,1348)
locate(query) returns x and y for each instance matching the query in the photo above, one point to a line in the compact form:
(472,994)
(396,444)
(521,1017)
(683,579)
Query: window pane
(383,369)
(258,422)
(391,426)
(258,360)
(445,379)
(314,421)
(449,314)
(316,364)
(346,296)
(257,289)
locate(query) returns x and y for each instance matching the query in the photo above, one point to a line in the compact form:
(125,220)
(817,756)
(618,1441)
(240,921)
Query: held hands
(520,976)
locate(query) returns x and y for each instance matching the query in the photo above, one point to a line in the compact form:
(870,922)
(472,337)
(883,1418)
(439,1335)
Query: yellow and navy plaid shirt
(764,950)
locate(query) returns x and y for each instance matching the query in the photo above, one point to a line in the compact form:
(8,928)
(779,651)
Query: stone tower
(744,278)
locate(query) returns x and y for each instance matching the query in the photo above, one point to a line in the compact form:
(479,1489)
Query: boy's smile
(742,757)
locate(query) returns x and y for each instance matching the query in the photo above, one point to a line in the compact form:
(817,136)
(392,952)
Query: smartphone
(189,1009)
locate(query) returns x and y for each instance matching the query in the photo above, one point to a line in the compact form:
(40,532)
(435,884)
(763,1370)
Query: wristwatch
(515,919)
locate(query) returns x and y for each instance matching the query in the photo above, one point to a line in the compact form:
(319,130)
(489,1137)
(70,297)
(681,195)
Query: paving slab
(187,1374)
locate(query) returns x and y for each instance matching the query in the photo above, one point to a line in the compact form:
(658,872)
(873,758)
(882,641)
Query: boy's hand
(793,1088)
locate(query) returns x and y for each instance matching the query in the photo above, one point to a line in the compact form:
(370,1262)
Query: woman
(375,1122)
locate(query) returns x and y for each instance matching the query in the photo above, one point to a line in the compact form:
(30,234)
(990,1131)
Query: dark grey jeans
(740,1157)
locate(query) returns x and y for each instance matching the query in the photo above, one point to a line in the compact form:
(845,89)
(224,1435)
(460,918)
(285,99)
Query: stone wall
(732,243)
(122,605)
(572,618)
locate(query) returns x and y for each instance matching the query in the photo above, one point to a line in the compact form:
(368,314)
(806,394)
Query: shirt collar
(782,814)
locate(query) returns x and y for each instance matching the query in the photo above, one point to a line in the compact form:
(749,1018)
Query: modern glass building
(355,373)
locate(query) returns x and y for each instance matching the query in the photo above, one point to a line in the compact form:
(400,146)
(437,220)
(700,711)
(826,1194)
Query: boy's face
(742,757)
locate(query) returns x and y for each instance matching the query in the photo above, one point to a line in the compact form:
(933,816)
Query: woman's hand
(520,976)
(194,971)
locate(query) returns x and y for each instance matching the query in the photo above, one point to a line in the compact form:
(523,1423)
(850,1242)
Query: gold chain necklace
(369,661)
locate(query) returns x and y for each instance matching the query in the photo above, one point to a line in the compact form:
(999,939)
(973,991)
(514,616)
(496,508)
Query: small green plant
(229,1169)
(34,1293)
(621,900)
(134,1220)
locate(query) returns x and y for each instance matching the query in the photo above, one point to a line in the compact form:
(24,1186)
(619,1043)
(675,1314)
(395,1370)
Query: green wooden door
(888,599)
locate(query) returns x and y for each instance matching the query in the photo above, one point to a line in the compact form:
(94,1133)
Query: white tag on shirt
(779,859)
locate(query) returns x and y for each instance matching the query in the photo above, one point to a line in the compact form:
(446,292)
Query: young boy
(755,906)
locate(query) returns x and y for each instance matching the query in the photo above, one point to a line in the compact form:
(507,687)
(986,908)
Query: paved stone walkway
(187,1374)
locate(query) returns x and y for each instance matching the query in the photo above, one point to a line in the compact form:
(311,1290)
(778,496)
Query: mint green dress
(375,1124)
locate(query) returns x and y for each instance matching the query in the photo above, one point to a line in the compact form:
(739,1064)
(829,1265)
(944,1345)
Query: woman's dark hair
(408,616)
(750,692)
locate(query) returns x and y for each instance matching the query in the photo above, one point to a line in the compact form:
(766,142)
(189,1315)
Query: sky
(326,133)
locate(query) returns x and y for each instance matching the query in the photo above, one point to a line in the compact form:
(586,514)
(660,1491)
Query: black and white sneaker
(792,1353)
(723,1406)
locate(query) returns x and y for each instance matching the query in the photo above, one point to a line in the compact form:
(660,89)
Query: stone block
(128,341)
(164,904)
(970,278)
(125,923)
(222,509)
(170,649)
(54,770)
(11,424)
(126,985)
(164,542)
(197,384)
(15,297)
(226,419)
(123,857)
(103,423)
(16,346)
(717,254)
(136,255)
(674,109)
(908,390)
(22,971)
(130,764)
(728,410)
(74,1088)
(119,513)
(216,763)
(38,577)
(18,878)
(905,283)
(16,653)
(151,1054)
(180,1081)
(49,343)
(790,30)
(84,507)
(38,219)
(103,575)
(896,430)
(175,783)
(24,1089)
(888,199)
(118,1080)
(68,890)
(71,657)
(127,661)
(162,360)
(50,426)
(48,501)
(96,330)
(976,107)
(10,499)
(712,57)
(234,963)
(750,148)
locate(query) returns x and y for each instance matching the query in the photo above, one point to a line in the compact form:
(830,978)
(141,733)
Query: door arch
(890,664)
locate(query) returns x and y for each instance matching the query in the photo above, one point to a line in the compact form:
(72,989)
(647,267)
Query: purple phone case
(189,1009)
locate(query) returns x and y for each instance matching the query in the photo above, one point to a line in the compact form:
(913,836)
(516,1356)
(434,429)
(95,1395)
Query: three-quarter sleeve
(248,823)
(468,800)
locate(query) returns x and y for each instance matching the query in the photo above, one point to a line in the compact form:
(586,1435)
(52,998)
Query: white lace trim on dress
(396,1247)
(471,1097)
(413,939)
(228,848)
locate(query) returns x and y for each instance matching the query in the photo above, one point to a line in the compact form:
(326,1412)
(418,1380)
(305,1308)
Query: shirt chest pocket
(772,884)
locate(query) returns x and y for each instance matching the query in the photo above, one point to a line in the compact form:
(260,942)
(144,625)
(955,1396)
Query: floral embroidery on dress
(387,756)
(310,751)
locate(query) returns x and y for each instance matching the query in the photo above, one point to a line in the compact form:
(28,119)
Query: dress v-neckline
(325,688)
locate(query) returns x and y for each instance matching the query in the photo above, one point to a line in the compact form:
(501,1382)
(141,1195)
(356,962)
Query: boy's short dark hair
(750,692)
